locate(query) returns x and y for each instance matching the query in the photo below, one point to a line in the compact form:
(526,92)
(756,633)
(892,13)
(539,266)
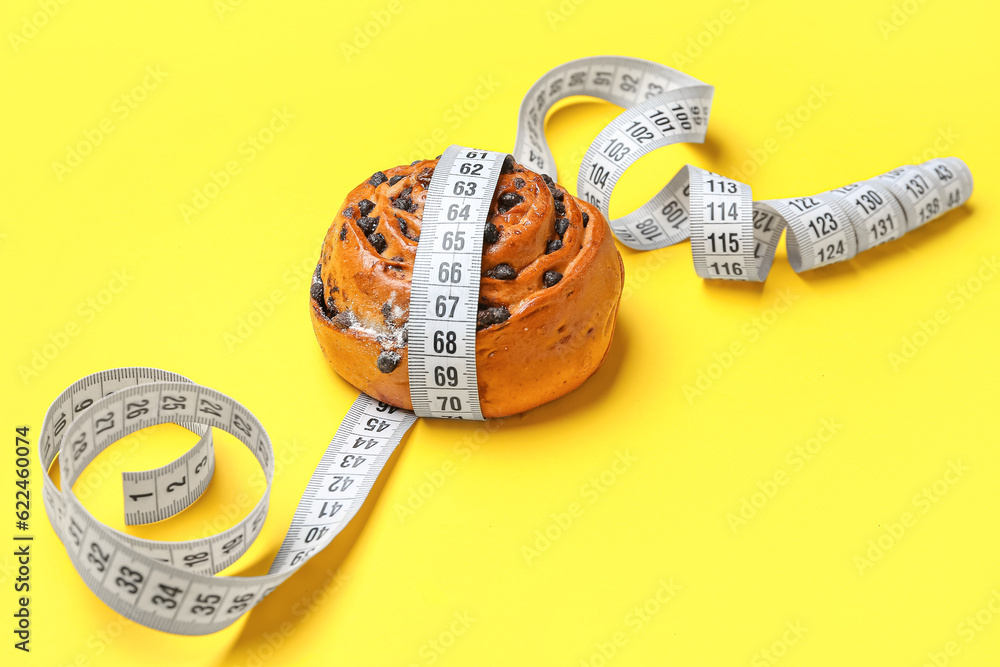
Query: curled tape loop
(732,237)
(170,585)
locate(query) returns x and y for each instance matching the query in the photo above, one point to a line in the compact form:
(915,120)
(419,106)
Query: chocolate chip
(560,209)
(403,203)
(317,272)
(507,201)
(331,307)
(547,179)
(550,278)
(378,242)
(425,175)
(405,192)
(367,224)
(562,224)
(387,361)
(377,179)
(586,219)
(552,245)
(415,162)
(402,225)
(518,183)
(366,206)
(502,272)
(343,320)
(316,292)
(508,165)
(396,179)
(387,312)
(492,233)
(398,258)
(492,315)
(349,212)
(557,194)
(343,231)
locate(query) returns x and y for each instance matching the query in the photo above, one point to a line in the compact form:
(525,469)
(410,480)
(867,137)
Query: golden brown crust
(561,301)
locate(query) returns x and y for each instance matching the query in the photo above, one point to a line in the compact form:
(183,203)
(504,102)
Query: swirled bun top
(544,251)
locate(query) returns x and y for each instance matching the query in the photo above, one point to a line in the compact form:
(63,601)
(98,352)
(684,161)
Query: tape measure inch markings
(171,586)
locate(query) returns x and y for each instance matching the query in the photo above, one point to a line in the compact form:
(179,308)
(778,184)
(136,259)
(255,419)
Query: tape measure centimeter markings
(169,585)
(732,237)
(444,292)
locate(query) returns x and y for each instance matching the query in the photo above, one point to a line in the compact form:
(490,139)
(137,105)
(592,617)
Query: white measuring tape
(732,237)
(444,294)
(171,586)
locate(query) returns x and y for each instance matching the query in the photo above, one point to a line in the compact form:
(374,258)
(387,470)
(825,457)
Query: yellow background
(898,92)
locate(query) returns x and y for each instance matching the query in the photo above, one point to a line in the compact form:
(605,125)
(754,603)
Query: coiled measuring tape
(171,586)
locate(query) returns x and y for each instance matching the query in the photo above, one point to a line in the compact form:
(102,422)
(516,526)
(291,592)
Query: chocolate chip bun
(551,281)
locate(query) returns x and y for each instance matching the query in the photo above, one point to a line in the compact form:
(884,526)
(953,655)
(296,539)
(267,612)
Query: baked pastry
(551,281)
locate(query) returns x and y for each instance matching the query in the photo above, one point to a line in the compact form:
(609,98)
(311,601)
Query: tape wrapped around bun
(548,296)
